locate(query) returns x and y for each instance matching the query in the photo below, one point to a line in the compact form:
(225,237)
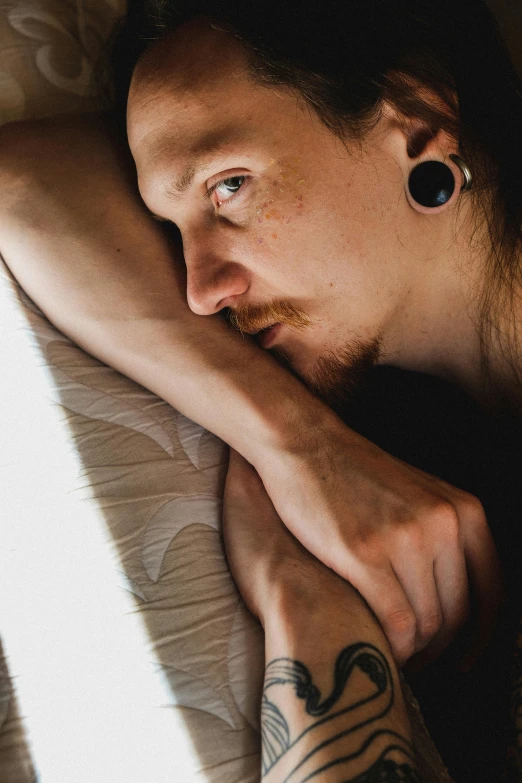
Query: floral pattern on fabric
(47,53)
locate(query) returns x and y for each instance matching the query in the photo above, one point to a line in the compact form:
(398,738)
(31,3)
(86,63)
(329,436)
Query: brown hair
(345,58)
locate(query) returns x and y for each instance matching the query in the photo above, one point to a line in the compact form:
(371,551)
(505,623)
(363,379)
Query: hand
(268,563)
(406,540)
(262,553)
(317,712)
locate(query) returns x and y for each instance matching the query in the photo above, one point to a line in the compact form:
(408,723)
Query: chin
(299,359)
(336,374)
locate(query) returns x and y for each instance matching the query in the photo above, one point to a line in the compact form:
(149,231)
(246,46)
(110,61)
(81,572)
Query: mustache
(249,319)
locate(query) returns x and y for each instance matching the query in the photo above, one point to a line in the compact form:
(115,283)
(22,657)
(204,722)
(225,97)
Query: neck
(437,328)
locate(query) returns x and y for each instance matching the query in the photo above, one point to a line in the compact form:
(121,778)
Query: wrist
(314,608)
(294,426)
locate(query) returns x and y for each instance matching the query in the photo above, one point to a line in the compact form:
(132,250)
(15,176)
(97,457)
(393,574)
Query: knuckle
(473,509)
(428,627)
(413,535)
(447,519)
(402,623)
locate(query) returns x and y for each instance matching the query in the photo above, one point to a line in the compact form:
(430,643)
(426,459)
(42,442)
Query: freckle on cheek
(274,236)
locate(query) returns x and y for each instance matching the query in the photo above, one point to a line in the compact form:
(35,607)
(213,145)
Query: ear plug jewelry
(432,183)
(466,172)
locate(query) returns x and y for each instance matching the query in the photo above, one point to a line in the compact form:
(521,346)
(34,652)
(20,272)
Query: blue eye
(227,188)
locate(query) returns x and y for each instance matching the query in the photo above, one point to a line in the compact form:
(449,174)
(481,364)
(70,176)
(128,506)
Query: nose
(213,281)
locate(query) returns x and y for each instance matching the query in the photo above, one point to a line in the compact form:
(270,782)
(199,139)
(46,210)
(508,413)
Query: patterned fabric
(47,52)
(151,481)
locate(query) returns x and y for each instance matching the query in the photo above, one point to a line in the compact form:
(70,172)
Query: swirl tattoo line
(276,733)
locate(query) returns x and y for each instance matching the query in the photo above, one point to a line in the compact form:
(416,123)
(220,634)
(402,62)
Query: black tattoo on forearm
(340,721)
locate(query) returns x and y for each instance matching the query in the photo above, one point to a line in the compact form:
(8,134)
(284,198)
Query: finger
(485,576)
(386,598)
(417,578)
(452,585)
(452,588)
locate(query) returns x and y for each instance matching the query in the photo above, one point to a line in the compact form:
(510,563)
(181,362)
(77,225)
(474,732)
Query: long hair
(346,58)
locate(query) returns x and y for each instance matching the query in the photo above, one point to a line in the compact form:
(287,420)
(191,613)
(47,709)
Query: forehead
(192,98)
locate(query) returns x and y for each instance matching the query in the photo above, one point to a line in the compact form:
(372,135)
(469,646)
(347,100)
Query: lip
(267,338)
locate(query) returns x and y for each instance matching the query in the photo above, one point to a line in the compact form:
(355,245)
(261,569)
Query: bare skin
(269,183)
(353,253)
(357,722)
(60,223)
(67,194)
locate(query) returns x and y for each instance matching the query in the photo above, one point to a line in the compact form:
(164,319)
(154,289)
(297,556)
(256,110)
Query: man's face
(280,221)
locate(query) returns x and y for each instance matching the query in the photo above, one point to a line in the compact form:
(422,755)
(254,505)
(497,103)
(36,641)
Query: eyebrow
(183,183)
(200,160)
(177,189)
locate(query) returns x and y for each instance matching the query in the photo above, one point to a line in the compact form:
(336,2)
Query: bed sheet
(48,50)
(132,655)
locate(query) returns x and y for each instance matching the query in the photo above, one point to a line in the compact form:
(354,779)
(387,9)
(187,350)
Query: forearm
(332,706)
(79,241)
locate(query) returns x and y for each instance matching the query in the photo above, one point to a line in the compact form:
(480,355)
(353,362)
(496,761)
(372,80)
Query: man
(383,276)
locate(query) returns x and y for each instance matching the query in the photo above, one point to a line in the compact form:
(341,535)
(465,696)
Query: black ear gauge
(431,184)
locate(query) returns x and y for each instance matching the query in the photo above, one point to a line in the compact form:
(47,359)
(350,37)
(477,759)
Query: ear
(410,141)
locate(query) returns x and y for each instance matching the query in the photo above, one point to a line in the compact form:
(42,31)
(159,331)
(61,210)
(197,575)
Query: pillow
(47,52)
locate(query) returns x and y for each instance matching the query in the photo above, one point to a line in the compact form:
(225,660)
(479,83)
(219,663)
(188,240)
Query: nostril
(199,304)
(213,284)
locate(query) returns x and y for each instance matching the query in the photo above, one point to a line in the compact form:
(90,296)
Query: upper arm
(56,164)
(73,229)
(15,168)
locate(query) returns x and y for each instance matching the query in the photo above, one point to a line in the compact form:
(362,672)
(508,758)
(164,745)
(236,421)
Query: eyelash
(216,185)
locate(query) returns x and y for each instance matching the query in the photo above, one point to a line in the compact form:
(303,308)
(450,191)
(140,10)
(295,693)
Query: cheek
(279,210)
